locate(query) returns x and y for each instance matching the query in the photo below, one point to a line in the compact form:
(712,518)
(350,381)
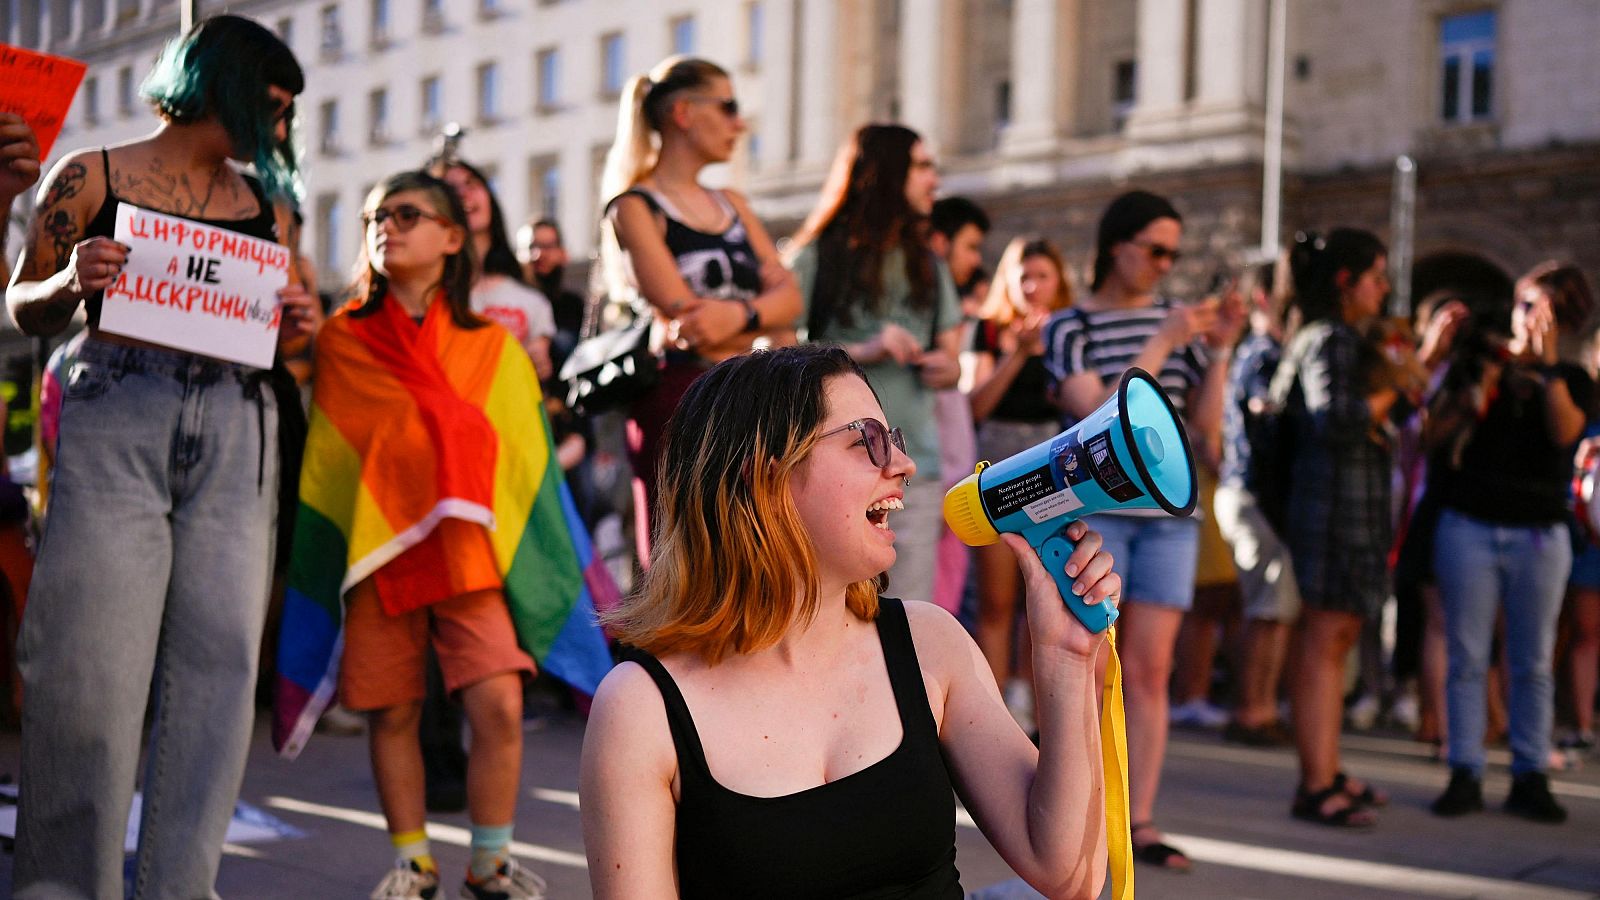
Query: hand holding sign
(95,265)
(197,287)
(39,88)
(19,157)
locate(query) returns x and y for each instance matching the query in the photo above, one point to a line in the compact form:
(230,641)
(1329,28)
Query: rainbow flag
(410,425)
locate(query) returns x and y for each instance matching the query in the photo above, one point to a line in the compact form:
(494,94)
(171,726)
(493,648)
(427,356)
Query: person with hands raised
(161,451)
(780,728)
(697,256)
(871,285)
(1011,404)
(1124,323)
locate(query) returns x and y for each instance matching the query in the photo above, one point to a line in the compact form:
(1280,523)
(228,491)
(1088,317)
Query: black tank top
(713,265)
(885,831)
(262,225)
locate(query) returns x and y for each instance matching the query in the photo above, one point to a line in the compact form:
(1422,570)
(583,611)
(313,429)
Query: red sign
(38,87)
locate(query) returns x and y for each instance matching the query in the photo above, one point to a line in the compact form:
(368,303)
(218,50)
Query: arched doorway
(1479,283)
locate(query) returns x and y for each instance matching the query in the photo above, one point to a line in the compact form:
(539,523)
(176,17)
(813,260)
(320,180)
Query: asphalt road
(1227,806)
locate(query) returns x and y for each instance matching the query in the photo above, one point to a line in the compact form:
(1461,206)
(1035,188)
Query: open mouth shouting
(878,512)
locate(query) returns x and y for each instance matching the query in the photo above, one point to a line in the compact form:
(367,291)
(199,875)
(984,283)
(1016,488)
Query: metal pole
(1272,152)
(188,12)
(1402,226)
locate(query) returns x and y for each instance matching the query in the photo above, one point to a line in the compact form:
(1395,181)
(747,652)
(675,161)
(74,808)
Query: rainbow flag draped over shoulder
(410,425)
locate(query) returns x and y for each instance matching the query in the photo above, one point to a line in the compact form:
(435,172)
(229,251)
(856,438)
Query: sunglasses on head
(729,106)
(1159,252)
(877,437)
(405,217)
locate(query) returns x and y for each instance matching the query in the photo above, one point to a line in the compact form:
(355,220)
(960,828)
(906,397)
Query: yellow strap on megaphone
(1114,762)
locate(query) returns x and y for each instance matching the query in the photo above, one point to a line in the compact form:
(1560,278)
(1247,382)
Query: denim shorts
(1585,567)
(1155,556)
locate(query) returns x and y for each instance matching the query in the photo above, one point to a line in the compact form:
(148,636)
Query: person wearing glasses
(1124,322)
(782,730)
(391,379)
(696,256)
(872,285)
(161,452)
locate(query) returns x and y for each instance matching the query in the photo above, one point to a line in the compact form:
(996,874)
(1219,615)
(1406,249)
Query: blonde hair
(645,100)
(1005,301)
(733,568)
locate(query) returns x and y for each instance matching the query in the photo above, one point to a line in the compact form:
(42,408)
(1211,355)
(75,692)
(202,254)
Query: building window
(755,23)
(380,23)
(378,117)
(488,92)
(328,132)
(683,35)
(544,187)
(330,219)
(432,16)
(332,34)
(285,31)
(1124,84)
(753,145)
(1002,103)
(488,9)
(1466,52)
(125,91)
(547,72)
(431,105)
(611,64)
(91,100)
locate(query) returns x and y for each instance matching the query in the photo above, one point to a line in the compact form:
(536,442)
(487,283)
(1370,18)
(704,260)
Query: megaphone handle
(1053,552)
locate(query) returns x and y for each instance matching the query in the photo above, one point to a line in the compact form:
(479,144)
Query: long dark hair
(460,268)
(500,259)
(862,216)
(222,67)
(1316,261)
(1124,218)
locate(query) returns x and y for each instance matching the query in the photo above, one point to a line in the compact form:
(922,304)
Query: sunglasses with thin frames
(1158,252)
(405,217)
(729,106)
(877,438)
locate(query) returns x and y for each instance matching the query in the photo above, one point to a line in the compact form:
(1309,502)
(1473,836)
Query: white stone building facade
(1040,109)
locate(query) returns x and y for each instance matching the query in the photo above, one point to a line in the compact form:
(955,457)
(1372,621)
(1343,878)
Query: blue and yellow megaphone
(1131,453)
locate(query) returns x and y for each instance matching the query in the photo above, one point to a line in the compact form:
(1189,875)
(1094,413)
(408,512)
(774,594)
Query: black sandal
(1308,807)
(1368,796)
(1158,854)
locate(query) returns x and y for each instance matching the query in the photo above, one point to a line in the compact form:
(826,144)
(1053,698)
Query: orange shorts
(385,657)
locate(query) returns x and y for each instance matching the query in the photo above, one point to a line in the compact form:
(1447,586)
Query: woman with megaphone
(1124,323)
(787,732)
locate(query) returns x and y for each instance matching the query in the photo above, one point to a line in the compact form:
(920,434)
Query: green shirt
(908,405)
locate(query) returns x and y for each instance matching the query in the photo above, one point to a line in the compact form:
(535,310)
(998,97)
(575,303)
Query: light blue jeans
(1156,556)
(1481,567)
(152,579)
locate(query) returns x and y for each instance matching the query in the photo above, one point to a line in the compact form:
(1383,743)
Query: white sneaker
(407,882)
(1363,713)
(1198,714)
(510,882)
(1405,712)
(1018,696)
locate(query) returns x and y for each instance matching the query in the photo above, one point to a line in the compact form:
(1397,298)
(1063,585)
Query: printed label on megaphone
(1118,457)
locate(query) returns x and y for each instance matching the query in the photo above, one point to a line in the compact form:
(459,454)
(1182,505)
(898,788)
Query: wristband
(752,316)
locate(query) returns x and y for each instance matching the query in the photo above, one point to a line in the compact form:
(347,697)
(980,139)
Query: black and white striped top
(1106,342)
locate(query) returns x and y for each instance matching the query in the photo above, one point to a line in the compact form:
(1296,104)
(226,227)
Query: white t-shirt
(518,308)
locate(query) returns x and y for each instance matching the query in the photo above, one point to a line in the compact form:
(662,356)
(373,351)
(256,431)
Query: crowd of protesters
(1357,462)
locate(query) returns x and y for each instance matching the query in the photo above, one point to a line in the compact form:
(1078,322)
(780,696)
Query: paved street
(1227,806)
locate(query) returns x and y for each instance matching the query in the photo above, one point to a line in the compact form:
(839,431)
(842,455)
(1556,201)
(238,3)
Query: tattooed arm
(58,268)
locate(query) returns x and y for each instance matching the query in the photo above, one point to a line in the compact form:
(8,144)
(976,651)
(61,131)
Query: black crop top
(1028,397)
(713,265)
(262,225)
(885,831)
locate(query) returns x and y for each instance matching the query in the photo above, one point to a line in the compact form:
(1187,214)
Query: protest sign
(39,88)
(196,287)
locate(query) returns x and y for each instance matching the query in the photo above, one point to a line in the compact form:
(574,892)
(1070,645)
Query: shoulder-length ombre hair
(460,268)
(223,68)
(1005,302)
(733,567)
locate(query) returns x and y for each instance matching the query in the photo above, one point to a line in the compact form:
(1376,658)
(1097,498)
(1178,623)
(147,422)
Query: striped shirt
(1106,342)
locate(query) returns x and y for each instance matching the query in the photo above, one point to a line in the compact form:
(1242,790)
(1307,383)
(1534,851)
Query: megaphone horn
(1131,453)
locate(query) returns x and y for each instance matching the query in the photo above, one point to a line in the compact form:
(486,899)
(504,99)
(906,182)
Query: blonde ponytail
(633,153)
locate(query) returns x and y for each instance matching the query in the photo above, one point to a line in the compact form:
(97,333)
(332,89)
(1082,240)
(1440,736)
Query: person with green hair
(152,575)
